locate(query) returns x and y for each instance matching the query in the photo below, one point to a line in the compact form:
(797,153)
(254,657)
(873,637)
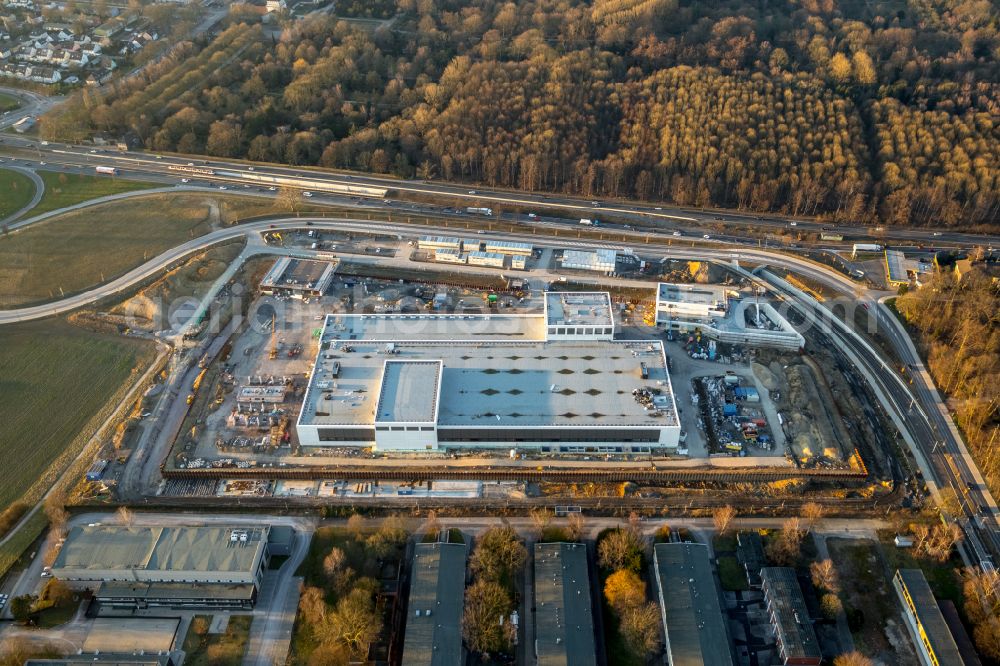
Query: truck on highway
(867,247)
(111,171)
(589,222)
(480,211)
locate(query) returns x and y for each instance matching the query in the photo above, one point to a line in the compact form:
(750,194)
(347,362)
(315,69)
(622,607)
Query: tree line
(856,111)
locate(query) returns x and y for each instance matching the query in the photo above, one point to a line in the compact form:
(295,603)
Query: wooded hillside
(854,110)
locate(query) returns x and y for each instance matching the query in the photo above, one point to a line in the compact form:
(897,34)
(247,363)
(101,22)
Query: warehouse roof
(427,327)
(698,294)
(557,383)
(109,548)
(564,621)
(176,591)
(434,621)
(692,615)
(409,391)
(586,308)
(791,615)
(295,274)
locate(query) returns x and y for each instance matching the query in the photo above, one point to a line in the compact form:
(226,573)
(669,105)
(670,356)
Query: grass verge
(226,649)
(68,189)
(73,252)
(8,102)
(14,548)
(17,192)
(55,378)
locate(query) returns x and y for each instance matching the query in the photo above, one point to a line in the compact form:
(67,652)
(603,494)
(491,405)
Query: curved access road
(251,231)
(39,191)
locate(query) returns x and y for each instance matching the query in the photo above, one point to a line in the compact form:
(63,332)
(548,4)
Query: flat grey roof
(290,273)
(174,591)
(208,549)
(409,392)
(928,613)
(585,308)
(701,294)
(434,618)
(564,621)
(791,615)
(896,265)
(585,383)
(689,603)
(401,327)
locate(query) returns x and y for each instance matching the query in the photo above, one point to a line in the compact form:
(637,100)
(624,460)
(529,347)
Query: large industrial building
(140,567)
(693,621)
(437,593)
(722,313)
(555,381)
(936,646)
(789,615)
(564,620)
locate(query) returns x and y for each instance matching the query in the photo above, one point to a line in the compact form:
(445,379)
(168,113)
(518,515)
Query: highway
(696,221)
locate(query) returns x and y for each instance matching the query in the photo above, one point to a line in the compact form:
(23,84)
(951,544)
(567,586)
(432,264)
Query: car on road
(658,208)
(249,168)
(793,224)
(223,187)
(677,233)
(472,191)
(159,157)
(272,189)
(93,150)
(936,233)
(185,180)
(532,216)
(42,163)
(307,194)
(595,203)
(706,237)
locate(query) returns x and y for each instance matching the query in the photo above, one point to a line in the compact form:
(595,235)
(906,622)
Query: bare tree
(812,513)
(334,562)
(723,518)
(621,548)
(55,509)
(640,627)
(576,524)
(786,547)
(852,659)
(541,517)
(433,524)
(824,576)
(125,516)
(484,624)
(356,525)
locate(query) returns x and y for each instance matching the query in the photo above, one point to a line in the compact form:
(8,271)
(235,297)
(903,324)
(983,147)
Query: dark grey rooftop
(564,622)
(791,615)
(692,615)
(925,608)
(434,620)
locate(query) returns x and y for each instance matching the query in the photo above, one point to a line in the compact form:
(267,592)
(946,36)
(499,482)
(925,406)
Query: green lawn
(63,189)
(731,574)
(16,546)
(78,250)
(227,649)
(17,192)
(55,379)
(8,102)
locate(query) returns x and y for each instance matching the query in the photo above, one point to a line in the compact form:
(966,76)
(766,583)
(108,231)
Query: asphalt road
(694,221)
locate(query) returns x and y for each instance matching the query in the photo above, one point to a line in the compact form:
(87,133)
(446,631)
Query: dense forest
(959,326)
(884,110)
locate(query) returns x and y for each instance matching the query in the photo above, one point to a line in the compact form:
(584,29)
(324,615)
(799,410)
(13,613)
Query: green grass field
(73,252)
(8,102)
(62,189)
(55,378)
(17,192)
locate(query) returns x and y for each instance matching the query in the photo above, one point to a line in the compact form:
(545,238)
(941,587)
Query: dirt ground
(149,309)
(811,423)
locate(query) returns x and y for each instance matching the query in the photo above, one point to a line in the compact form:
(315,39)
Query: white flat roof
(587,383)
(584,308)
(408,393)
(700,294)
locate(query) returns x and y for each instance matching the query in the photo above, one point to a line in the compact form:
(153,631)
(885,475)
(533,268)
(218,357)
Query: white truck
(480,211)
(110,171)
(589,222)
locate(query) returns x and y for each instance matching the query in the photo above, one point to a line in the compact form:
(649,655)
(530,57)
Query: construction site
(738,407)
